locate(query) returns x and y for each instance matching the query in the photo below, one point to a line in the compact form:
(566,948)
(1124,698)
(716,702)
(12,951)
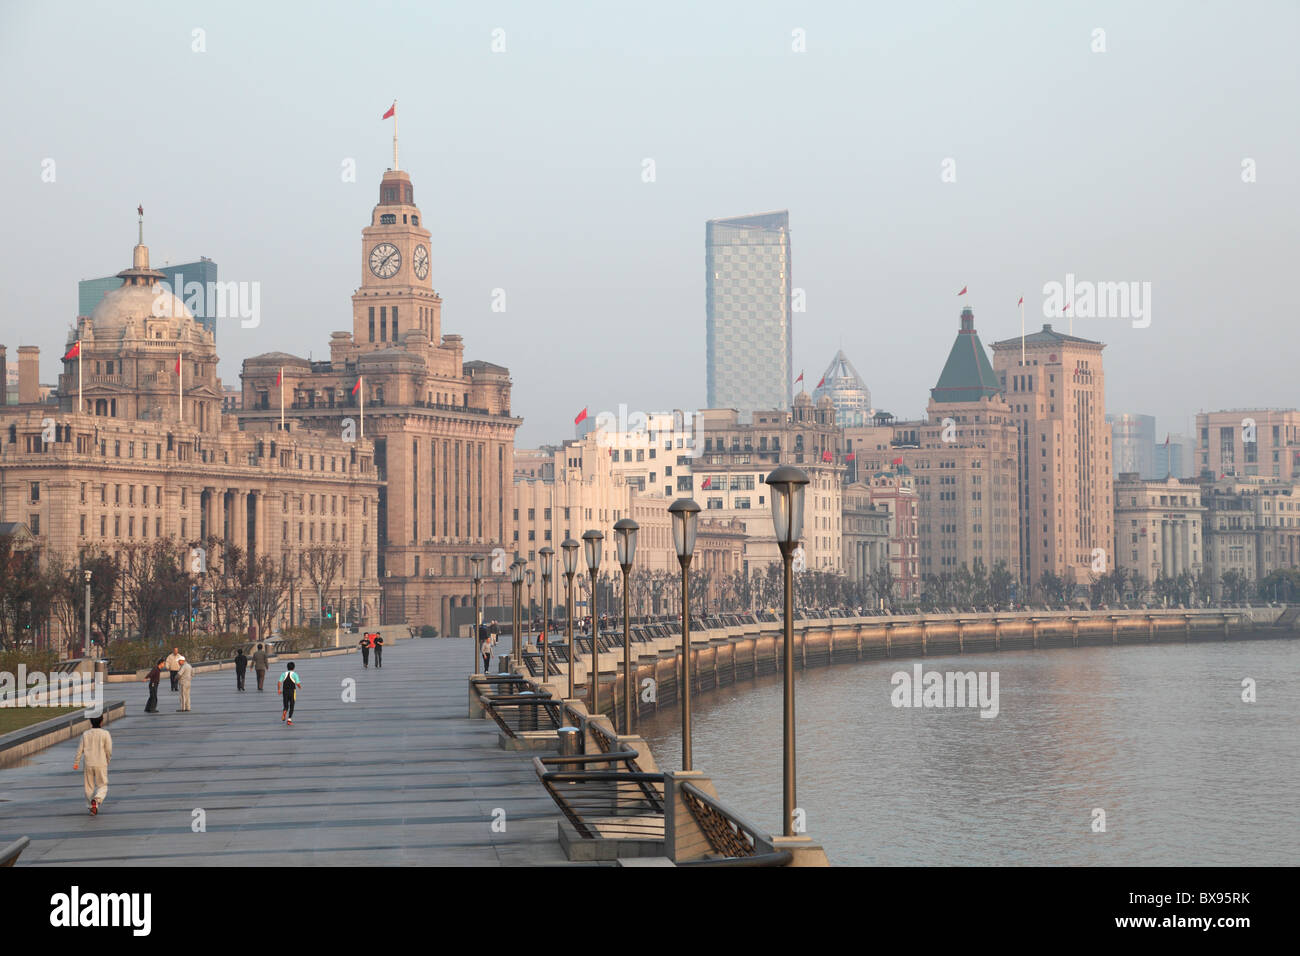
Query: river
(1156,736)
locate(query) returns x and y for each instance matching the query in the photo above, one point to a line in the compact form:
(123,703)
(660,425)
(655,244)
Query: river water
(1156,736)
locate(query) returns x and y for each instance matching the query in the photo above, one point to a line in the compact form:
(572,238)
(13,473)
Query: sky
(919,148)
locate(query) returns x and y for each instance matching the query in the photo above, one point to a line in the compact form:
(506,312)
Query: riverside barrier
(721,656)
(618,805)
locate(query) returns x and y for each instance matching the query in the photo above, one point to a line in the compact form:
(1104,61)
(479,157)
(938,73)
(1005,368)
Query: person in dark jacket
(241,667)
(365,650)
(379,651)
(153,677)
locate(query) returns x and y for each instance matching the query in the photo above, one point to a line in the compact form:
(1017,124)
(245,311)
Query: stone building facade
(442,429)
(1057,399)
(138,449)
(1159,527)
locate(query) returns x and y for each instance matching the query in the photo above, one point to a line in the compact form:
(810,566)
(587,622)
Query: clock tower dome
(396,295)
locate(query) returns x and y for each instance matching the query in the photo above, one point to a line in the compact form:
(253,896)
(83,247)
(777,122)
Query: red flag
(963,291)
(357,387)
(178,365)
(279,376)
(822,382)
(708,483)
(140,209)
(897,461)
(391,110)
(582,417)
(850,457)
(1067,308)
(800,378)
(826,456)
(74,351)
(1022,301)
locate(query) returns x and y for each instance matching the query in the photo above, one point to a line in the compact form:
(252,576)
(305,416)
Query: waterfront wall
(724,656)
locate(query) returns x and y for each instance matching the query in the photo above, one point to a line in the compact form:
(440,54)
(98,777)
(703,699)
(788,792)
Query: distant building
(1057,396)
(748,312)
(964,461)
(1174,457)
(1133,445)
(1158,527)
(847,391)
(1252,525)
(1248,442)
(189,282)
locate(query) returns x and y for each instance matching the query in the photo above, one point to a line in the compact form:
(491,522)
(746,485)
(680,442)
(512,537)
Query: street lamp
(570,549)
(476,575)
(625,545)
(684,513)
(530,577)
(592,542)
(545,556)
(788,484)
(516,585)
(87,614)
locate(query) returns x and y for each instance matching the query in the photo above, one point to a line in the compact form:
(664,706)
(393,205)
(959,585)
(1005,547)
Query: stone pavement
(401,776)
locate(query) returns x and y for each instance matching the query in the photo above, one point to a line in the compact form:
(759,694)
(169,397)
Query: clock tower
(396,296)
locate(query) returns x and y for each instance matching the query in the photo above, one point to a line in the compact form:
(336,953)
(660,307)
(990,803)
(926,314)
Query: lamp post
(684,513)
(87,614)
(530,577)
(476,575)
(544,556)
(592,542)
(788,484)
(625,544)
(569,547)
(516,585)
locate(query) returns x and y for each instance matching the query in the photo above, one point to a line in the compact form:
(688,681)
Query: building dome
(843,386)
(143,294)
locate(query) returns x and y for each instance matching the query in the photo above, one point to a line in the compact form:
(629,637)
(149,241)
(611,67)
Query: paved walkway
(401,776)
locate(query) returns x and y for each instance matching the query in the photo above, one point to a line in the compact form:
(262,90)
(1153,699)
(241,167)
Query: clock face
(385,260)
(420,259)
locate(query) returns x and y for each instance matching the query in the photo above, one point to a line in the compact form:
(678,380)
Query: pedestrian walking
(241,668)
(97,748)
(379,651)
(365,650)
(260,665)
(288,685)
(185,677)
(174,666)
(154,677)
(485,646)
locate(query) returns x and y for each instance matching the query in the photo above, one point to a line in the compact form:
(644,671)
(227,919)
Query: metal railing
(524,712)
(733,841)
(604,795)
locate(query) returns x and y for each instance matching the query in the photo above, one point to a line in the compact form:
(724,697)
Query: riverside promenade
(400,776)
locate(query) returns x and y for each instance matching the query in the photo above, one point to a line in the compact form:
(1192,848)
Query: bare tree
(322,563)
(268,593)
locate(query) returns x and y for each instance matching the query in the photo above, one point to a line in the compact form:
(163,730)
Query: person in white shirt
(186,675)
(97,749)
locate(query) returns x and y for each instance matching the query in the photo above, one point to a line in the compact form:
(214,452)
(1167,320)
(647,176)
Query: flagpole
(395,166)
(361,380)
(281,398)
(81,407)
(1022,331)
(180,388)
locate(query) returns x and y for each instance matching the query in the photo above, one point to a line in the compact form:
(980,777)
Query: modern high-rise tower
(748,312)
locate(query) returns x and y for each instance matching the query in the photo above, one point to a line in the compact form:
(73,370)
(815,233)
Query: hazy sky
(1123,165)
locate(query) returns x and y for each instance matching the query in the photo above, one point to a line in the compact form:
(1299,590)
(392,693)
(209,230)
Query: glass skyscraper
(204,272)
(748,312)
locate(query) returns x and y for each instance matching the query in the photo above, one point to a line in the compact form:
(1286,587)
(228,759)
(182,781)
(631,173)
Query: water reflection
(1156,736)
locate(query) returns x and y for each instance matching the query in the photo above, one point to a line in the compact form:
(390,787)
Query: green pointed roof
(967,375)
